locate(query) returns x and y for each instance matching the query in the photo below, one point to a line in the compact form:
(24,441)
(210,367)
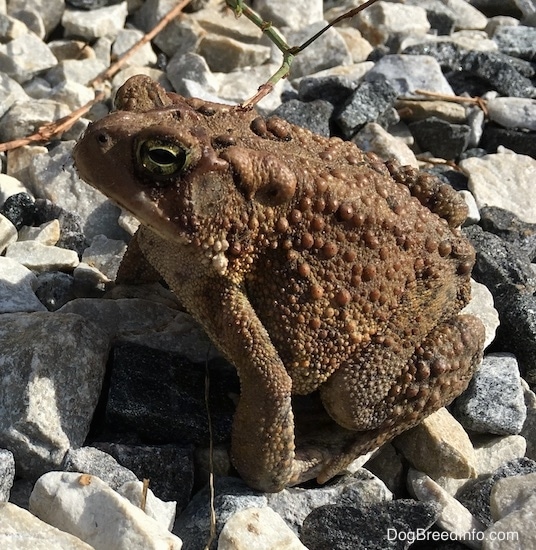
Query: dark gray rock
(476,496)
(71,234)
(500,265)
(91,4)
(495,381)
(54,289)
(93,461)
(448,54)
(516,41)
(517,332)
(379,526)
(510,228)
(370,101)
(313,115)
(169,468)
(500,71)
(335,88)
(520,141)
(7,474)
(19,209)
(161,396)
(441,138)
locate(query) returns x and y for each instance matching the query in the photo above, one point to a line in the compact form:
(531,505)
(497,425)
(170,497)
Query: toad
(312,265)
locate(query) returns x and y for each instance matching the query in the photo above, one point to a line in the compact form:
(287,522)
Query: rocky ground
(91,402)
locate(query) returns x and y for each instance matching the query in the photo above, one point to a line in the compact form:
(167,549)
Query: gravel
(89,384)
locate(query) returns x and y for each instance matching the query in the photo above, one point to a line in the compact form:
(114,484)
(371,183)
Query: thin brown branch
(52,130)
(478,101)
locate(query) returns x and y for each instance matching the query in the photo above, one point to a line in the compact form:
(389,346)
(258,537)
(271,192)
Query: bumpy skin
(312,265)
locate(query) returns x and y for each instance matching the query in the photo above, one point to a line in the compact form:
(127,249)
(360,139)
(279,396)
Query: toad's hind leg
(386,392)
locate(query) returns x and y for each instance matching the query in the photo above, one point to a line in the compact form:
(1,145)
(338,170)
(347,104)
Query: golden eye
(163,158)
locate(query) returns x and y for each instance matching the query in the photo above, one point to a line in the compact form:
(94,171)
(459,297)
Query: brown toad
(312,266)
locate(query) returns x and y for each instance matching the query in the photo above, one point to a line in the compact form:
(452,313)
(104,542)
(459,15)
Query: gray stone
(105,255)
(529,427)
(368,103)
(55,178)
(496,382)
(93,461)
(20,530)
(518,41)
(52,370)
(224,54)
(27,116)
(442,139)
(125,39)
(77,70)
(294,16)
(360,488)
(106,21)
(17,284)
(25,57)
(328,51)
(313,115)
(8,233)
(7,474)
(72,94)
(190,67)
(10,28)
(50,10)
(408,73)
(10,92)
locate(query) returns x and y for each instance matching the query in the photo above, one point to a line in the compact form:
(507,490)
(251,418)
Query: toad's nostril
(103,138)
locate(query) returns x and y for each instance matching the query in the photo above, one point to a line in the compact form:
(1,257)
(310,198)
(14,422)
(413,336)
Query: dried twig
(51,130)
(478,101)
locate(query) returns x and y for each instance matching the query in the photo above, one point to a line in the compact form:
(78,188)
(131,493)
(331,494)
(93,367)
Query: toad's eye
(163,158)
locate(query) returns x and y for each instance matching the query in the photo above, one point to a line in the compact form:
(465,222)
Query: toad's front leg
(262,447)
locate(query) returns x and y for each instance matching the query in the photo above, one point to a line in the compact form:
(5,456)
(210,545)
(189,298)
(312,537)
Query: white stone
(505,180)
(107,21)
(8,233)
(385,19)
(10,91)
(467,16)
(510,493)
(9,186)
(515,531)
(88,508)
(481,306)
(359,47)
(256,529)
(454,517)
(491,452)
(513,112)
(47,233)
(21,530)
(161,511)
(473,214)
(18,162)
(16,288)
(375,138)
(40,257)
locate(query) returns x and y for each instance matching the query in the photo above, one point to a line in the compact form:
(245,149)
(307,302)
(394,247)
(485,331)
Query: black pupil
(162,156)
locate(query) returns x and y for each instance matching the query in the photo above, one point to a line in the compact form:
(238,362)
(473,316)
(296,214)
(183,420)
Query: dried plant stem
(478,101)
(51,130)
